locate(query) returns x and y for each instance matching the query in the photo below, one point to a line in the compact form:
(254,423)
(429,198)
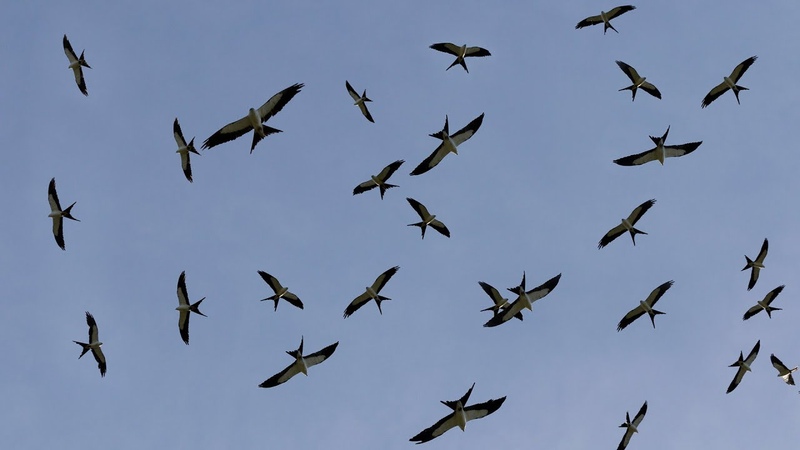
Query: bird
(729,82)
(449,144)
(627,225)
(379,180)
(371,293)
(764,304)
(645,306)
(184,149)
(93,345)
(744,366)
(524,299)
(756,265)
(185,309)
(500,303)
(301,364)
(57,214)
(460,416)
(427,219)
(360,100)
(659,153)
(784,372)
(254,120)
(76,63)
(638,81)
(605,18)
(460,53)
(281,292)
(631,426)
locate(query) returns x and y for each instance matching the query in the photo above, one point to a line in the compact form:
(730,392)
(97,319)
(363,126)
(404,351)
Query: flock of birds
(502,309)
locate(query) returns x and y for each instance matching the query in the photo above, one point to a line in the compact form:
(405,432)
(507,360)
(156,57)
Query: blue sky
(533,190)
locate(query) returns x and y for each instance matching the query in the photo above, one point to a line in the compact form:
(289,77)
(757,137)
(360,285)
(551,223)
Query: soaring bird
(379,180)
(254,120)
(281,292)
(460,53)
(427,219)
(756,265)
(764,304)
(744,366)
(93,345)
(500,303)
(360,100)
(449,144)
(460,416)
(524,300)
(605,18)
(627,225)
(185,309)
(184,149)
(76,63)
(639,82)
(301,364)
(371,293)
(631,426)
(57,214)
(784,372)
(729,82)
(659,153)
(645,306)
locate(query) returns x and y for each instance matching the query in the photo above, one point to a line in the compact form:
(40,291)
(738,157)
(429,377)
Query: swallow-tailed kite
(605,18)
(756,265)
(764,304)
(184,149)
(784,372)
(427,219)
(460,52)
(659,153)
(93,345)
(524,300)
(301,364)
(627,225)
(360,100)
(57,214)
(639,82)
(631,426)
(371,293)
(379,180)
(281,292)
(743,366)
(645,306)
(460,416)
(76,63)
(449,144)
(185,309)
(729,82)
(500,303)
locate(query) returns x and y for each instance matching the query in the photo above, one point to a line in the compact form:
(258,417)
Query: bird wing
(632,315)
(351,91)
(357,302)
(592,20)
(183,325)
(736,379)
(638,159)
(431,161)
(492,292)
(772,294)
(183,296)
(779,365)
(178,133)
(271,281)
(229,132)
(739,70)
(363,107)
(293,299)
(753,353)
(79,79)
(481,410)
(317,357)
(93,333)
(101,360)
(389,170)
(714,94)
(671,151)
(759,259)
(626,438)
(186,165)
(540,291)
(437,225)
(639,211)
(281,377)
(52,196)
(476,51)
(436,430)
(612,234)
(421,210)
(278,101)
(619,10)
(447,47)
(465,133)
(384,278)
(650,89)
(656,294)
(68,50)
(640,415)
(632,74)
(58,231)
(752,312)
(364,187)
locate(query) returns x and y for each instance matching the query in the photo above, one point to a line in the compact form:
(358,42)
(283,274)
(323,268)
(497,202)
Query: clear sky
(533,190)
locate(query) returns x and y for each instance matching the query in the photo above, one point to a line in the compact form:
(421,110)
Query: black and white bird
(379,180)
(627,225)
(57,214)
(639,82)
(360,100)
(428,219)
(254,120)
(631,426)
(729,82)
(76,63)
(185,309)
(764,305)
(449,144)
(372,293)
(524,300)
(646,306)
(605,18)
(281,292)
(743,365)
(500,303)
(184,149)
(660,152)
(784,372)
(460,416)
(460,53)
(300,365)
(93,345)
(756,265)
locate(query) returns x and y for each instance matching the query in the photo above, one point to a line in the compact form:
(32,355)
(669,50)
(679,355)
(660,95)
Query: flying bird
(281,292)
(729,82)
(185,309)
(379,180)
(254,120)
(605,18)
(639,82)
(76,63)
(301,364)
(57,214)
(627,225)
(460,416)
(460,53)
(360,100)
(764,304)
(93,345)
(524,300)
(184,149)
(500,303)
(645,306)
(449,144)
(756,265)
(427,219)
(631,426)
(744,366)
(371,293)
(784,372)
(660,152)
